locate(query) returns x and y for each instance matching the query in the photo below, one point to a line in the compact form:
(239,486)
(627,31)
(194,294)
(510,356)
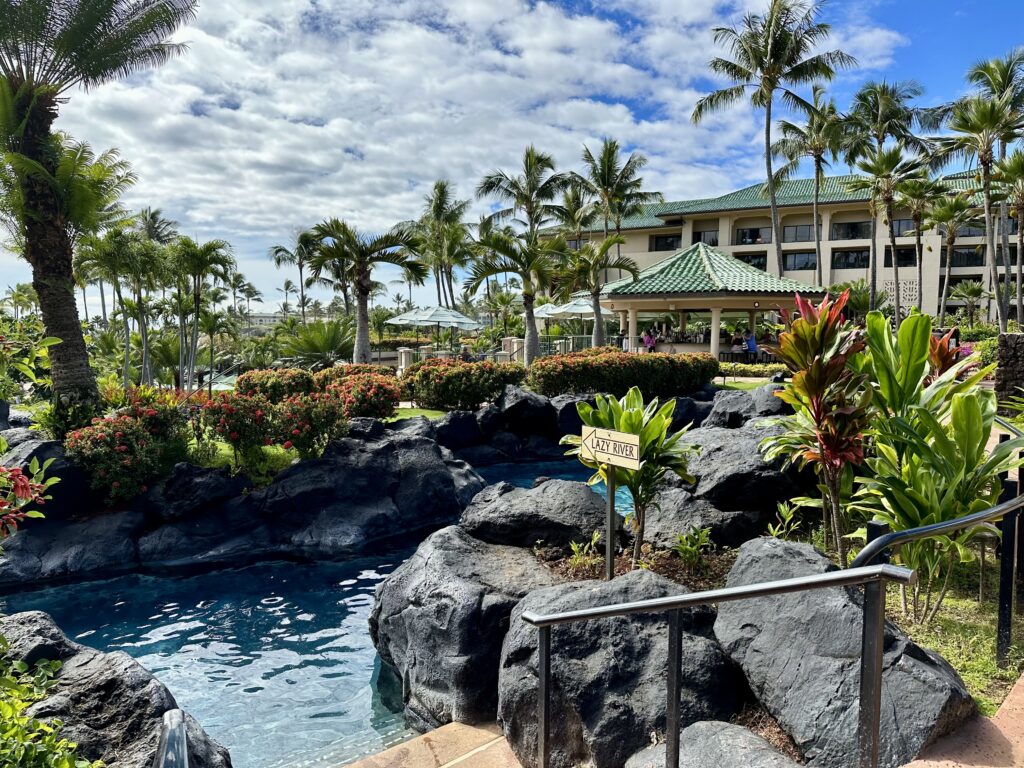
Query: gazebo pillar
(623,320)
(752,320)
(634,331)
(716,331)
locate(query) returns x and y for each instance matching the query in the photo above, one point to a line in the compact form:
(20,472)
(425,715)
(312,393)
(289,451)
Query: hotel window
(706,236)
(999,256)
(903,227)
(799,260)
(666,242)
(798,233)
(965,256)
(852,230)
(574,244)
(907,256)
(759,260)
(858,258)
(970,232)
(753,235)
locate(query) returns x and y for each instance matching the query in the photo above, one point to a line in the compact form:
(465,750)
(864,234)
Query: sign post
(611,450)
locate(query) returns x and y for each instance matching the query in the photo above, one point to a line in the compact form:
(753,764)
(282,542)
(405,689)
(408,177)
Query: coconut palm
(971,293)
(979,124)
(820,138)
(249,293)
(531,260)
(297,256)
(530,194)
(154,226)
(583,270)
(287,288)
(1010,173)
(917,196)
(440,239)
(355,255)
(214,323)
(885,170)
(948,216)
(771,54)
(502,306)
(576,213)
(47,49)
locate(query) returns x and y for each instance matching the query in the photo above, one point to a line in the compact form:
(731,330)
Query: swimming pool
(523,475)
(274,660)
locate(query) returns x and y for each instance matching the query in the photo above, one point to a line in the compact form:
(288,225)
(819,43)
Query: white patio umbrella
(578,309)
(543,312)
(439,317)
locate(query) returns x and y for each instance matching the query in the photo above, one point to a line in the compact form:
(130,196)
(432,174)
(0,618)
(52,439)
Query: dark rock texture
(526,413)
(801,656)
(676,511)
(608,693)
(439,620)
(690,412)
(714,744)
(361,494)
(109,704)
(567,417)
(556,512)
(15,436)
(734,408)
(458,429)
(72,495)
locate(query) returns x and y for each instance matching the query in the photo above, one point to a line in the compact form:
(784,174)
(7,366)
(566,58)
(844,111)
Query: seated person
(750,341)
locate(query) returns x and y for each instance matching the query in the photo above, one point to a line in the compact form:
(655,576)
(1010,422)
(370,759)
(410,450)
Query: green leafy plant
(786,523)
(245,422)
(751,370)
(22,491)
(309,422)
(119,454)
(614,372)
(585,556)
(338,373)
(446,384)
(275,384)
(660,451)
(23,356)
(692,546)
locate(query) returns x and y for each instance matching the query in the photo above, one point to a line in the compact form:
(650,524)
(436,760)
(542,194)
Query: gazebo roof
(702,270)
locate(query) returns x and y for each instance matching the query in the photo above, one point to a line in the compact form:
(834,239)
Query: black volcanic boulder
(15,436)
(556,512)
(526,413)
(439,621)
(714,744)
(458,429)
(190,489)
(608,692)
(489,419)
(689,413)
(567,417)
(108,703)
(675,511)
(72,496)
(734,408)
(801,656)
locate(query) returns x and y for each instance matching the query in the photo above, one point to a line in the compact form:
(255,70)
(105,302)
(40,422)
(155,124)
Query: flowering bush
(118,454)
(19,490)
(242,421)
(751,370)
(338,373)
(368,394)
(309,422)
(448,384)
(391,343)
(613,372)
(275,384)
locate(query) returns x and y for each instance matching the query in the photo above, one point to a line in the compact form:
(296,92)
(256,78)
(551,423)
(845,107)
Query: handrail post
(543,695)
(609,544)
(876,530)
(1007,588)
(675,648)
(872,649)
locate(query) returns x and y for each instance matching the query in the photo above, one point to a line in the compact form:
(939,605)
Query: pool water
(274,660)
(523,475)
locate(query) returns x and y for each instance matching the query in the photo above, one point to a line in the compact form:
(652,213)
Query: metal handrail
(874,578)
(881,541)
(172,751)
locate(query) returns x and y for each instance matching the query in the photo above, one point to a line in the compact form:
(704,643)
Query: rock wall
(1010,373)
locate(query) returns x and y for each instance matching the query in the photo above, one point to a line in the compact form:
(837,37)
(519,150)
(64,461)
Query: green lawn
(407,413)
(744,384)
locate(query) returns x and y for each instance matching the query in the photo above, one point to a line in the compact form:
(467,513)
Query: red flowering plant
(22,491)
(275,384)
(245,422)
(611,371)
(368,394)
(449,384)
(309,422)
(337,374)
(119,454)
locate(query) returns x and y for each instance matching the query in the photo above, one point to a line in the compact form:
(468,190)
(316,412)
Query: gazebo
(699,279)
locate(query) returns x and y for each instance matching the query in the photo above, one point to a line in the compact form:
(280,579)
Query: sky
(285,112)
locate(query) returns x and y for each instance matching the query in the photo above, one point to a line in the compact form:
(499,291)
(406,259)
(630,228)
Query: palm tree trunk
(144,375)
(127,335)
(532,340)
(194,347)
(85,304)
(1005,238)
(873,265)
(817,222)
(210,383)
(597,340)
(990,245)
(302,294)
(103,303)
(1020,259)
(919,247)
(950,242)
(895,263)
(361,353)
(772,199)
(437,285)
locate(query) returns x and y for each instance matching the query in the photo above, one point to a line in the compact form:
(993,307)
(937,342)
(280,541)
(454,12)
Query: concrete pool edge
(455,744)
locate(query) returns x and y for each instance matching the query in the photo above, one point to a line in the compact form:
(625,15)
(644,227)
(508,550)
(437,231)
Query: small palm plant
(660,452)
(972,293)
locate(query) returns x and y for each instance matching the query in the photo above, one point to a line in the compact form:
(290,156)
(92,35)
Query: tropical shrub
(614,372)
(447,384)
(246,423)
(979,332)
(275,384)
(24,360)
(752,370)
(691,547)
(22,492)
(660,452)
(328,376)
(309,422)
(119,454)
(368,394)
(320,344)
(392,343)
(987,351)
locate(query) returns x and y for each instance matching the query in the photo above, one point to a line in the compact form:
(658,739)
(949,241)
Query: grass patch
(743,385)
(275,457)
(408,413)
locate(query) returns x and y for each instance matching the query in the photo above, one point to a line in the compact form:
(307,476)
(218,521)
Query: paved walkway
(456,745)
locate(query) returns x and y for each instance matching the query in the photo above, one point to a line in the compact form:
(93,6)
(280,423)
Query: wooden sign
(618,449)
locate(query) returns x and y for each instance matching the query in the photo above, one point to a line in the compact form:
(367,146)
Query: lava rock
(365,428)
(540,447)
(73,494)
(15,436)
(489,419)
(714,744)
(731,473)
(734,408)
(567,417)
(526,413)
(676,511)
(508,444)
(108,703)
(467,482)
(440,618)
(689,413)
(767,403)
(557,513)
(190,490)
(458,429)
(801,656)
(608,676)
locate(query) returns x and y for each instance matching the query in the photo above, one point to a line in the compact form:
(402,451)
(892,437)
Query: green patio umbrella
(439,317)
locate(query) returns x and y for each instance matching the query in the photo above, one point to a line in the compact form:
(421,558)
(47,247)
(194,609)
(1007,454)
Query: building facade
(739,224)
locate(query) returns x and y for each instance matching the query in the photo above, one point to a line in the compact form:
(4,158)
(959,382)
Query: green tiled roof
(701,269)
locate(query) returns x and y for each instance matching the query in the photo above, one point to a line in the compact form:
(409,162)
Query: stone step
(464,746)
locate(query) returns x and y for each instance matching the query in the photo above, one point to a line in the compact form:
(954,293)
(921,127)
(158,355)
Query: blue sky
(284,112)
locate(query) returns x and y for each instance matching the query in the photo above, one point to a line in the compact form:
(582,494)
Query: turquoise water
(274,660)
(523,475)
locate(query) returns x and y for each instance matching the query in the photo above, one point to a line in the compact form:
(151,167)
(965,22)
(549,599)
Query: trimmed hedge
(447,384)
(613,372)
(339,373)
(119,454)
(368,394)
(392,343)
(751,370)
(275,384)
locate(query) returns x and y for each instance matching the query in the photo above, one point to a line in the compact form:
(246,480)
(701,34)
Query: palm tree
(576,213)
(156,227)
(287,288)
(319,344)
(971,293)
(297,256)
(820,138)
(47,49)
(214,323)
(440,239)
(533,261)
(917,196)
(250,292)
(1010,173)
(236,283)
(502,306)
(772,53)
(979,124)
(884,171)
(584,269)
(355,255)
(530,194)
(948,216)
